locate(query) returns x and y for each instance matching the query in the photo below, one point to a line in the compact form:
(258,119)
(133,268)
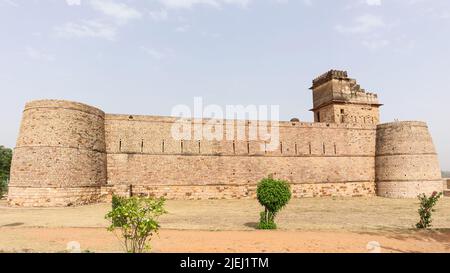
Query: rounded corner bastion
(406,163)
(60,156)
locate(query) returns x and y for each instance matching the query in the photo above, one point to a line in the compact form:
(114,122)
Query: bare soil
(306,225)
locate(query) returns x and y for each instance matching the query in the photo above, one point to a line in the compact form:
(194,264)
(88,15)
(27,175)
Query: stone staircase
(447,188)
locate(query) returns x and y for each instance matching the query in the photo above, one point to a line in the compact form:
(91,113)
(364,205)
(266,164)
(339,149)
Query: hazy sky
(144,56)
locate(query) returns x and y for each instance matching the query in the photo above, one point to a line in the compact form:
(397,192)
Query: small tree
(273,195)
(427,208)
(3,187)
(5,166)
(136,218)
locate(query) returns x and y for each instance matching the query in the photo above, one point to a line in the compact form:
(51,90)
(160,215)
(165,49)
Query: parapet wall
(406,160)
(61,148)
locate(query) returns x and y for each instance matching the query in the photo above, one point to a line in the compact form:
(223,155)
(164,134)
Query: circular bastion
(406,160)
(60,157)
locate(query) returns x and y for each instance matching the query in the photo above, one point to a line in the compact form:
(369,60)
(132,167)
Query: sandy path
(99,240)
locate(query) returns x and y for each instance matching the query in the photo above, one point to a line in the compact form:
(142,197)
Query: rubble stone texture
(70,153)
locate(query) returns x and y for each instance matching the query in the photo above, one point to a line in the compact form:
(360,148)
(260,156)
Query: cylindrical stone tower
(60,156)
(406,161)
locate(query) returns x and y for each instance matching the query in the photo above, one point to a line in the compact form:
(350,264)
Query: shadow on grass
(252,225)
(13,224)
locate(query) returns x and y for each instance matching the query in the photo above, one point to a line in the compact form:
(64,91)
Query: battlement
(336,86)
(340,99)
(328,76)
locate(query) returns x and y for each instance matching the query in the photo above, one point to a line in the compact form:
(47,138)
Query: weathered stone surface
(70,154)
(406,161)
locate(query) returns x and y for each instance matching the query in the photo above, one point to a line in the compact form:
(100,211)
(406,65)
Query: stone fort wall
(406,160)
(69,154)
(317,159)
(60,156)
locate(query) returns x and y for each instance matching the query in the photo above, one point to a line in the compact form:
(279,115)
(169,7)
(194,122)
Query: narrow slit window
(142,146)
(335,149)
(248,147)
(323,148)
(281,147)
(310,148)
(234,147)
(162,146)
(199,147)
(120,145)
(182,146)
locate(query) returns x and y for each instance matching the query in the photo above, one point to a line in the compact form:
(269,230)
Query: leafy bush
(117,201)
(136,218)
(426,209)
(5,166)
(267,220)
(273,195)
(3,187)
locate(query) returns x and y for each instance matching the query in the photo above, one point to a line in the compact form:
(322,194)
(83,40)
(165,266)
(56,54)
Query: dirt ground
(306,225)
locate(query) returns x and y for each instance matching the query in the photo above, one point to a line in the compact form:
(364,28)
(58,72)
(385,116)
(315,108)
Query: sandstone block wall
(70,153)
(406,161)
(317,159)
(60,154)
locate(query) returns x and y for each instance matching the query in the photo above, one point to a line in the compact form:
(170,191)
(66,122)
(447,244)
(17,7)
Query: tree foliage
(136,219)
(5,167)
(273,195)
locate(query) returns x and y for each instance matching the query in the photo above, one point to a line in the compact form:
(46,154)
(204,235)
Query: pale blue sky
(144,57)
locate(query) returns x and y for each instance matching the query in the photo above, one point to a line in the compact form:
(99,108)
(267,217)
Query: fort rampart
(69,153)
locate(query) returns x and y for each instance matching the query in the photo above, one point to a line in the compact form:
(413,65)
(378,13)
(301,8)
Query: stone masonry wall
(61,146)
(71,154)
(406,161)
(317,159)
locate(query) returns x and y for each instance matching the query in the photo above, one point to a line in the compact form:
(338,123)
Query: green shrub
(3,187)
(117,201)
(273,195)
(136,219)
(5,166)
(266,220)
(427,208)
